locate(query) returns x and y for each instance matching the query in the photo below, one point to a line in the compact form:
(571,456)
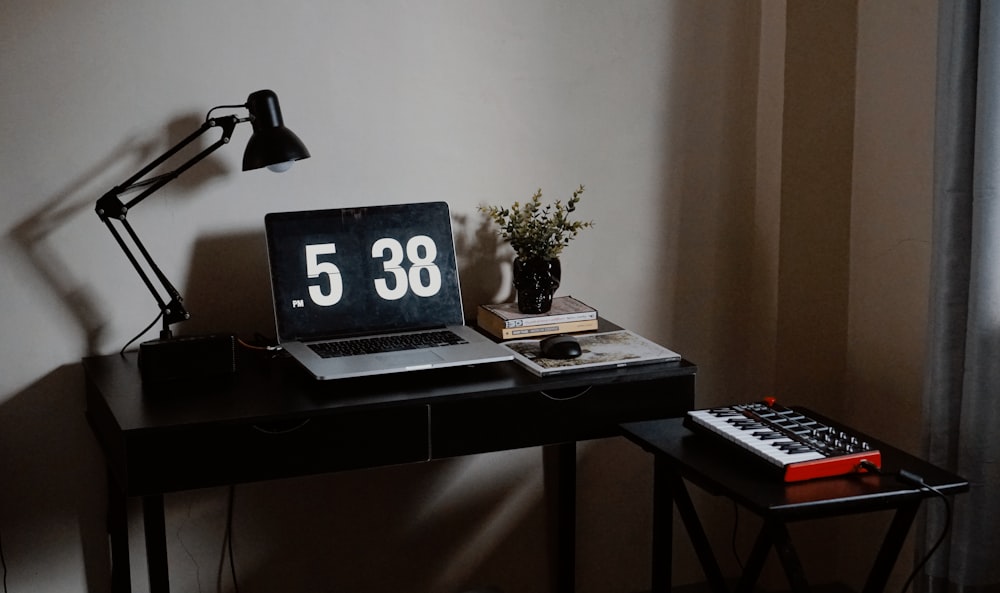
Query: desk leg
(788,556)
(669,485)
(121,579)
(156,543)
(663,528)
(561,461)
(755,563)
(891,545)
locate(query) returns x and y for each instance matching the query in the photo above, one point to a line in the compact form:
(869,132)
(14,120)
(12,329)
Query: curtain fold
(962,387)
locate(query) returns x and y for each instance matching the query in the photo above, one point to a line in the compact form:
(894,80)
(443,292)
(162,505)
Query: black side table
(682,456)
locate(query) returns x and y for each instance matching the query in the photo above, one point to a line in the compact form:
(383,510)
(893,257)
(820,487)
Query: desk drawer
(217,454)
(537,418)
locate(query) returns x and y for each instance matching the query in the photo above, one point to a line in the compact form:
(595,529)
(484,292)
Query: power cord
(736,528)
(260,343)
(229,539)
(139,335)
(913,479)
(3,564)
(228,545)
(918,481)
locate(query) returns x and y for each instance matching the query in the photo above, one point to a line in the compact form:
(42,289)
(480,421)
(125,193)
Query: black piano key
(766,435)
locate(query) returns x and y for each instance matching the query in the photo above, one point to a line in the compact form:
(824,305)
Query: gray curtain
(962,389)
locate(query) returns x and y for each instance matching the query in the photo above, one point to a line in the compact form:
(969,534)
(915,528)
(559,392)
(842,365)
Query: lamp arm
(173,311)
(110,206)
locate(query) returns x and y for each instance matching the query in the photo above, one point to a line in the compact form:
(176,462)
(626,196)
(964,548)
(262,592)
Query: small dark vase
(536,280)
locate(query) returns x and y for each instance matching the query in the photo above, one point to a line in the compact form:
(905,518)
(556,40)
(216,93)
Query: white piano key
(767,449)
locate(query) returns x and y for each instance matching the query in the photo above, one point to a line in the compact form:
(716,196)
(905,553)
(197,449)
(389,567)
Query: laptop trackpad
(412,358)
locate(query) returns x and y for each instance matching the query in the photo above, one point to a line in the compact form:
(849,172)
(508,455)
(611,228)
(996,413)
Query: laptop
(371,290)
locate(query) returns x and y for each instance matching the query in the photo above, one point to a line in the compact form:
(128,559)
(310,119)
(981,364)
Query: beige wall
(890,233)
(672,113)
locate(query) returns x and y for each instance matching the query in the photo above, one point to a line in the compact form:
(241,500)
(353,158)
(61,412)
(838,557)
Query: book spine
(550,319)
(496,319)
(488,317)
(510,333)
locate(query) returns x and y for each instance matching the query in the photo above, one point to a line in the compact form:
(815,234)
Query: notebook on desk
(371,290)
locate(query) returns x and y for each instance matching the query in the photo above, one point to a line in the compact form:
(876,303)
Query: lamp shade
(272,145)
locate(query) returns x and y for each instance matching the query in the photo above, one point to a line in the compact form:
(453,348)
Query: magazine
(601,350)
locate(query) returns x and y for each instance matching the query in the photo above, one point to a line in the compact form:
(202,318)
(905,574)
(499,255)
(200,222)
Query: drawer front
(539,418)
(217,454)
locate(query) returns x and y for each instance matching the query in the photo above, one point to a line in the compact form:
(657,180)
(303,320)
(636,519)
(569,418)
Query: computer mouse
(560,346)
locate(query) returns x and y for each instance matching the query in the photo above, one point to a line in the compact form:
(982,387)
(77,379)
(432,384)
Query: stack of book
(567,315)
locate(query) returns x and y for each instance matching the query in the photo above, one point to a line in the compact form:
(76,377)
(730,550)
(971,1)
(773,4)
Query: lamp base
(187,357)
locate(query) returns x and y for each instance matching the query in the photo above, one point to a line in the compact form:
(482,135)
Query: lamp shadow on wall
(47,443)
(227,289)
(33,233)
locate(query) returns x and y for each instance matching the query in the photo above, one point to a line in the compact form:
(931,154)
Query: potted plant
(538,233)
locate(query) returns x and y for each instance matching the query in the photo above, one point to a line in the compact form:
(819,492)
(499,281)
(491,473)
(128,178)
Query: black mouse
(561,346)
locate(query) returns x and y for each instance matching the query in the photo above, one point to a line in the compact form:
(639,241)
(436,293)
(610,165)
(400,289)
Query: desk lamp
(272,145)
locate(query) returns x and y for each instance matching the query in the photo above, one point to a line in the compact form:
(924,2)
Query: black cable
(736,525)
(139,335)
(3,564)
(229,538)
(208,115)
(916,480)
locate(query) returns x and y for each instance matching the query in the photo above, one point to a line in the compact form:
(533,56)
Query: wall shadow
(228,289)
(484,261)
(53,501)
(450,524)
(32,233)
(442,526)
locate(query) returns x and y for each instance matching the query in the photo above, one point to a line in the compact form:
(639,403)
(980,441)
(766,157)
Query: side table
(681,456)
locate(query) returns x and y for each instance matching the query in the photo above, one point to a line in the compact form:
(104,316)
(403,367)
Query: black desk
(681,455)
(271,421)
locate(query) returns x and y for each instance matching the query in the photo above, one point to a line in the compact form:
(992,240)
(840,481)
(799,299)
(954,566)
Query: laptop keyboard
(376,344)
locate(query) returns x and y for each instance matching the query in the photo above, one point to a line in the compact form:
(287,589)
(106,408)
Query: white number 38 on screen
(423,277)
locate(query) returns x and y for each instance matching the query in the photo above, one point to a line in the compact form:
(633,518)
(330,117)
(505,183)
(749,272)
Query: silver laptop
(371,290)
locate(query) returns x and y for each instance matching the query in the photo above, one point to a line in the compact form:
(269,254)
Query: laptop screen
(365,270)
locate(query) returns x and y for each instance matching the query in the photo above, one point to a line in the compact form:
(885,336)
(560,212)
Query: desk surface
(714,466)
(271,388)
(271,420)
